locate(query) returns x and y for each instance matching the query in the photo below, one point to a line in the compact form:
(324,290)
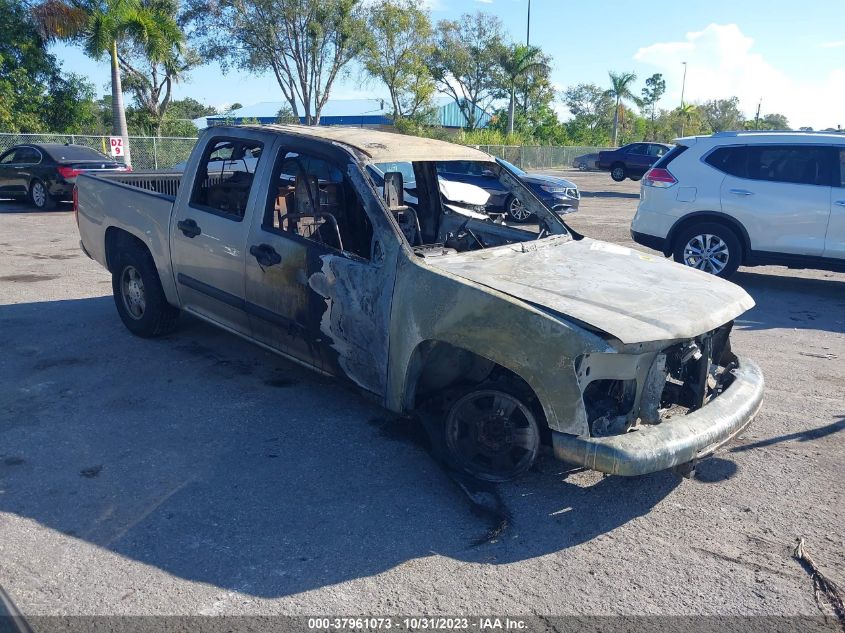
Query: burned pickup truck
(510,336)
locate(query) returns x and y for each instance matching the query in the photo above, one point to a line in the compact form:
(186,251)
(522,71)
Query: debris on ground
(822,585)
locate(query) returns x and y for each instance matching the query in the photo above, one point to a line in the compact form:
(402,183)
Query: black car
(558,194)
(632,160)
(46,173)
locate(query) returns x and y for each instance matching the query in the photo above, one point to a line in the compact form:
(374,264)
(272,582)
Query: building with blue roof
(355,112)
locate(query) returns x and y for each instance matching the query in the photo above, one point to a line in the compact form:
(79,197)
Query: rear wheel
(709,246)
(617,172)
(516,210)
(138,295)
(491,434)
(40,197)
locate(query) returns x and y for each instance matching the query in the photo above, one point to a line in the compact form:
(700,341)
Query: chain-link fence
(150,152)
(539,156)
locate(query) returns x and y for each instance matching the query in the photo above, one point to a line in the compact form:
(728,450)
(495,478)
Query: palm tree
(620,90)
(101,27)
(516,62)
(686,111)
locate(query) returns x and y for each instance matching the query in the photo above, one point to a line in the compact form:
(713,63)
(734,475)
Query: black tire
(492,448)
(709,236)
(516,212)
(151,316)
(618,172)
(40,197)
(636,178)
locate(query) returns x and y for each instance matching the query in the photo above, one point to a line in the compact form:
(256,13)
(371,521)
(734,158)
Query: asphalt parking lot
(199,474)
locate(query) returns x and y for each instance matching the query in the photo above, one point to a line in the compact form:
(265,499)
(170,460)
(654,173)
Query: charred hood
(633,296)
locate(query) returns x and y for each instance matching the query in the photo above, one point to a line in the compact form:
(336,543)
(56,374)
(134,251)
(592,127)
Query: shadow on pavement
(785,301)
(802,436)
(609,194)
(218,462)
(25,206)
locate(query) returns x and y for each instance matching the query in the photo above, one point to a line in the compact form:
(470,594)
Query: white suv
(750,198)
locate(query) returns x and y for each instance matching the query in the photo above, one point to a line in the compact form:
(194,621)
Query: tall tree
(465,61)
(772,122)
(655,88)
(723,114)
(687,112)
(305,43)
(103,28)
(399,45)
(149,78)
(34,94)
(516,62)
(621,90)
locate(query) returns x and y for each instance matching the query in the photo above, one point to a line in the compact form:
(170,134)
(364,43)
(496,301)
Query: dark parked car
(46,173)
(558,194)
(586,162)
(631,161)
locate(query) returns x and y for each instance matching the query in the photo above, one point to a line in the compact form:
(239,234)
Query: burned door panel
(355,322)
(284,312)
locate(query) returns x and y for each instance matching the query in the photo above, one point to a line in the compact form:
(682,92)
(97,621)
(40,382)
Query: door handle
(189,228)
(841,203)
(265,255)
(741,192)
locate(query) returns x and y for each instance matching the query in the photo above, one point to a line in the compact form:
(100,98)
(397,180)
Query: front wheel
(617,172)
(491,434)
(516,210)
(138,295)
(709,246)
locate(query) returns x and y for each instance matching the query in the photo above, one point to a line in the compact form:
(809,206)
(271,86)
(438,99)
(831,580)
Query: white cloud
(485,1)
(839,44)
(722,62)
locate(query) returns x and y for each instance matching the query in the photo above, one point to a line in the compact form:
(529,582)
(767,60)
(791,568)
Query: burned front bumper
(673,442)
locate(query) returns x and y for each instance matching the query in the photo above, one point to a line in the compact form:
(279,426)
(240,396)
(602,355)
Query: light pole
(683,88)
(528,26)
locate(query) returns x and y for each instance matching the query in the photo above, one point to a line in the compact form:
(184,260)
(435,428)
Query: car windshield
(404,168)
(512,167)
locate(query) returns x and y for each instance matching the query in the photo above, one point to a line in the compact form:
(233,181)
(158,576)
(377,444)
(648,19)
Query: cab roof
(380,146)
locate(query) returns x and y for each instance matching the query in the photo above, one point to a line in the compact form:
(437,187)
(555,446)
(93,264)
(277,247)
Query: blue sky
(789,54)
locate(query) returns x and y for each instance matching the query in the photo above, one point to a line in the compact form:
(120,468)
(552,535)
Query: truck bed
(140,204)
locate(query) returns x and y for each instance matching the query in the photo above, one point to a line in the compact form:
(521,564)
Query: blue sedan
(558,194)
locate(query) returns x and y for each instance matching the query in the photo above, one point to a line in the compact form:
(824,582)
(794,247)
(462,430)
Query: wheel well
(438,370)
(118,240)
(710,216)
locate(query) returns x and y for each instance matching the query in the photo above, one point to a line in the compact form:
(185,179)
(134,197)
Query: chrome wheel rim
(39,195)
(492,435)
(707,252)
(618,173)
(517,210)
(132,292)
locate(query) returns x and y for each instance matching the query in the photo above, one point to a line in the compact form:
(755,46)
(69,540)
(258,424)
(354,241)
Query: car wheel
(138,295)
(491,434)
(617,172)
(40,197)
(517,211)
(709,246)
